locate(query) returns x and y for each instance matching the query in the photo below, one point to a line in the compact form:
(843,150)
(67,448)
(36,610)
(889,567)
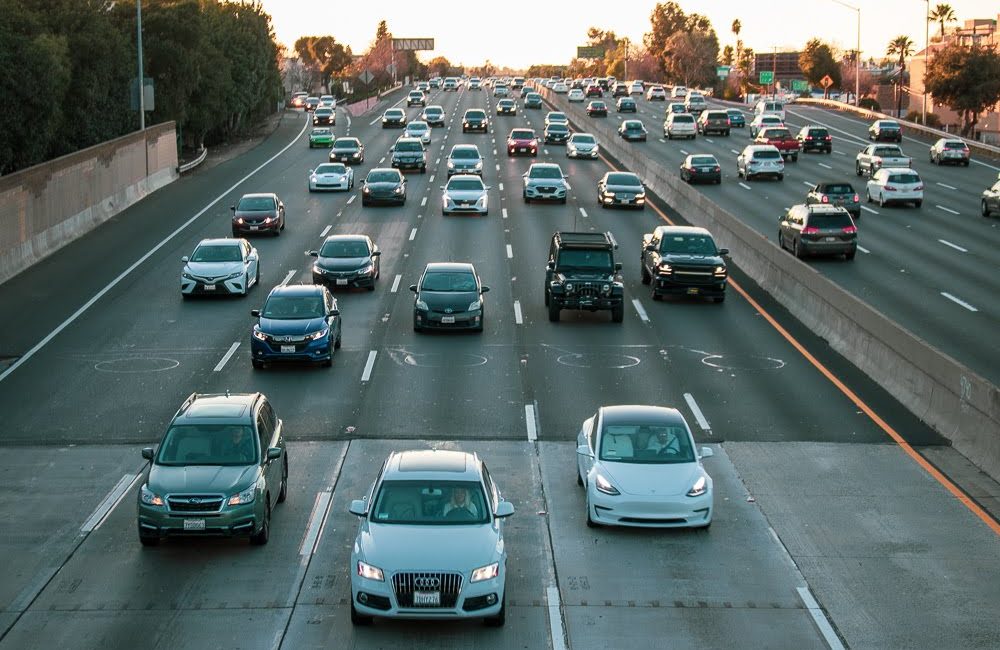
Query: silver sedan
(465,193)
(418,129)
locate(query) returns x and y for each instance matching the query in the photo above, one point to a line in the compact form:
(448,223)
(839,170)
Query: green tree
(941,14)
(439,66)
(687,35)
(817,61)
(965,79)
(325,55)
(902,47)
(690,57)
(728,55)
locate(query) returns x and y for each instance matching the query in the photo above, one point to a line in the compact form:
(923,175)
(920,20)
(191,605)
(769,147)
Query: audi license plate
(209,287)
(692,290)
(288,348)
(194,524)
(426,598)
(447,319)
(341,281)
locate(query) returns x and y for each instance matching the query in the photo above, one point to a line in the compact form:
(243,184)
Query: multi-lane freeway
(826,534)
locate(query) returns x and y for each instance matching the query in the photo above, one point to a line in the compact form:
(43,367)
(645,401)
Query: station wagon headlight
(487,572)
(604,485)
(699,488)
(370,572)
(150,498)
(244,497)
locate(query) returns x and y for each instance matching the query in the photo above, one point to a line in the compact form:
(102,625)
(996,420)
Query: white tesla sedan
(430,543)
(331,176)
(220,266)
(640,467)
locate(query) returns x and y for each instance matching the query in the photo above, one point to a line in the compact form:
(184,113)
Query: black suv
(839,193)
(582,274)
(683,260)
(815,138)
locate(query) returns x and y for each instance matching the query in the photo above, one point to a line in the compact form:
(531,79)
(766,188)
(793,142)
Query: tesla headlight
(474,305)
(257,334)
(421,305)
(150,498)
(486,572)
(315,336)
(244,497)
(699,488)
(604,485)
(369,572)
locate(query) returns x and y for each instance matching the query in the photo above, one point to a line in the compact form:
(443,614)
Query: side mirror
(334,312)
(252,257)
(504,509)
(376,253)
(618,266)
(311,170)
(274,453)
(551,265)
(649,247)
(359,507)
(441,186)
(584,450)
(255,313)
(313,253)
(147,453)
(706,452)
(413,288)
(233,208)
(484,289)
(184,259)
(723,252)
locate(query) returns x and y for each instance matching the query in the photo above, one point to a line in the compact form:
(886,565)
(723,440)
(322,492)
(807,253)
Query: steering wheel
(459,514)
(668,451)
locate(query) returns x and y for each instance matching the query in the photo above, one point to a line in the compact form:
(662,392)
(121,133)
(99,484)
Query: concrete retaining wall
(961,405)
(45,207)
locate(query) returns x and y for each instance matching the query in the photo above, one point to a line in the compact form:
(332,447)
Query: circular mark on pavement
(137,364)
(742,362)
(441,360)
(598,360)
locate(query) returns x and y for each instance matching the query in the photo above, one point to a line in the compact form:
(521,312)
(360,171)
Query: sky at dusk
(519,33)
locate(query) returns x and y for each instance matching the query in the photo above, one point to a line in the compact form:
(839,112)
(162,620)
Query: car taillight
(828,138)
(856,198)
(850,230)
(826,199)
(810,230)
(718,169)
(890,188)
(809,137)
(728,122)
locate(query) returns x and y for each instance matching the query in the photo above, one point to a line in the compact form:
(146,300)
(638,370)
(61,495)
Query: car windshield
(558,128)
(217,253)
(688,244)
(322,131)
(252,203)
(770,119)
(394,113)
(837,188)
(475,115)
(597,104)
(449,281)
(465,153)
(777,133)
(208,444)
(522,135)
(954,145)
(344,248)
(344,143)
(821,133)
(646,444)
(433,111)
(383,177)
(331,168)
(583,139)
(533,96)
(704,160)
(409,146)
(734,112)
(888,125)
(837,219)
(545,172)
(293,307)
(506,102)
(556,117)
(766,155)
(686,119)
(623,179)
(585,259)
(324,111)
(888,151)
(416,127)
(465,184)
(903,178)
(430,503)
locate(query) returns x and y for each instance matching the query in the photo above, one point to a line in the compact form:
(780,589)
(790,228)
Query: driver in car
(460,501)
(663,442)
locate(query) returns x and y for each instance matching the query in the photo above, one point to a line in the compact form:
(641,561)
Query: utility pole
(626,60)
(774,72)
(142,87)
(857,59)
(927,57)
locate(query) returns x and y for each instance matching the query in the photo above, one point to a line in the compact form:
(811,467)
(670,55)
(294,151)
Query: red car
(522,141)
(594,90)
(788,145)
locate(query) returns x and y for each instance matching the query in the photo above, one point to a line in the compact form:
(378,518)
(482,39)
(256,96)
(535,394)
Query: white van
(679,92)
(770,107)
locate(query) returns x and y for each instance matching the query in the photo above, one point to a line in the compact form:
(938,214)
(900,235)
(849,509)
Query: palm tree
(942,13)
(900,46)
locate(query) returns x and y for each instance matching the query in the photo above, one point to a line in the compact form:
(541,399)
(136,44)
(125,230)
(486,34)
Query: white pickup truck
(876,156)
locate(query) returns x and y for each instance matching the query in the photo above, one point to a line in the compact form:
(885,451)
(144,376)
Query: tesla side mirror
(706,452)
(255,313)
(313,253)
(359,507)
(504,509)
(184,259)
(724,252)
(274,453)
(147,453)
(413,288)
(584,450)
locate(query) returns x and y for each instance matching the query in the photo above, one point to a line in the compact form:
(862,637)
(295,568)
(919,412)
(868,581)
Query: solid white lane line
(315,521)
(518,317)
(413,233)
(867,209)
(351,200)
(367,373)
(109,502)
(583,212)
(735,151)
(287,278)
(744,186)
(556,635)
(395,283)
(226,357)
(955,246)
(819,618)
(510,252)
(431,179)
(545,151)
(941,207)
(958,301)
(808,184)
(503,211)
(863,249)
(423,202)
(529,420)
(825,165)
(641,310)
(698,415)
(325,230)
(498,167)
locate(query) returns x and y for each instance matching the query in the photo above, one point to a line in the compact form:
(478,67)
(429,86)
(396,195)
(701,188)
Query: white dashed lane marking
(698,415)
(640,310)
(518,318)
(958,301)
(226,357)
(955,246)
(369,365)
(413,234)
(395,283)
(325,230)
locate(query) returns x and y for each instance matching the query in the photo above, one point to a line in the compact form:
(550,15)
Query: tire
(781,177)
(236,234)
(618,314)
(327,363)
(590,522)
(563,201)
(719,299)
(257,365)
(260,537)
(868,193)
(554,310)
(797,250)
(579,479)
(359,619)
(149,540)
(501,616)
(881,200)
(850,256)
(857,169)
(545,292)
(984,209)
(781,240)
(644,274)
(283,491)
(246,284)
(918,203)
(795,157)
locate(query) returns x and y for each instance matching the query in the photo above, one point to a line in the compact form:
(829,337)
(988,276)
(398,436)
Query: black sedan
(347,261)
(885,131)
(448,296)
(347,150)
(626,105)
(623,189)
(698,168)
(383,185)
(557,133)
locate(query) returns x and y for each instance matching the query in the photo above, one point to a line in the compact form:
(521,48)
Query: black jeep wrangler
(582,274)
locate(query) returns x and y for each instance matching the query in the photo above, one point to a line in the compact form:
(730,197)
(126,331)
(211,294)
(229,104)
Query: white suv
(760,160)
(430,542)
(680,125)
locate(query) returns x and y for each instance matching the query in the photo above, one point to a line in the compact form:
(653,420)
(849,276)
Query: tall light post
(857,56)
(927,57)
(626,59)
(142,88)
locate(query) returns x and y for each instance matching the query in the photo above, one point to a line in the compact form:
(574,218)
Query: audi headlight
(699,488)
(257,334)
(370,572)
(150,498)
(315,336)
(244,497)
(604,485)
(421,305)
(487,572)
(474,305)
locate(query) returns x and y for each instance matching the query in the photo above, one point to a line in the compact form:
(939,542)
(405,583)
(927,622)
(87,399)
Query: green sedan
(321,137)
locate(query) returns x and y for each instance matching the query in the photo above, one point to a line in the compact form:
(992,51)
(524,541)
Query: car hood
(651,479)
(575,275)
(408,155)
(343,150)
(331,176)
(685,258)
(225,479)
(383,186)
(291,326)
(587,146)
(455,300)
(464,195)
(213,269)
(547,182)
(465,163)
(399,547)
(625,189)
(521,142)
(255,214)
(342,263)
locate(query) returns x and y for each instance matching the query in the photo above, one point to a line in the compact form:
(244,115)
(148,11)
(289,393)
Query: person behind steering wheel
(460,507)
(664,443)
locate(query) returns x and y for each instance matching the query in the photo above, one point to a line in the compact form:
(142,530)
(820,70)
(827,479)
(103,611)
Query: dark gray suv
(818,229)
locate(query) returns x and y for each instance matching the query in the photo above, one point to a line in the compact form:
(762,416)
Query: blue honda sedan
(297,323)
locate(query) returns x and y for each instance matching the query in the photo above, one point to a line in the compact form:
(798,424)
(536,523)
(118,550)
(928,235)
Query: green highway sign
(589,52)
(766,77)
(722,71)
(798,85)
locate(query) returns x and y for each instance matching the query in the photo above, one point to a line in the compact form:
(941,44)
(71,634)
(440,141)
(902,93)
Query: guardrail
(194,163)
(955,401)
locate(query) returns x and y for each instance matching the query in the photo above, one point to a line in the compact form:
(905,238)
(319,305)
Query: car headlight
(150,498)
(608,194)
(366,190)
(479,165)
(370,572)
(699,488)
(604,485)
(720,271)
(233,276)
(486,572)
(481,202)
(366,269)
(666,268)
(451,164)
(186,275)
(315,336)
(474,305)
(398,190)
(257,334)
(244,497)
(606,288)
(421,305)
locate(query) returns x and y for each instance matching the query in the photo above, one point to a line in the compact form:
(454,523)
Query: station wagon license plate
(194,524)
(427,598)
(342,281)
(447,319)
(288,348)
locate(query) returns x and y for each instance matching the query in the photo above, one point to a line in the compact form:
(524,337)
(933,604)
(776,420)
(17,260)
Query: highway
(825,535)
(933,270)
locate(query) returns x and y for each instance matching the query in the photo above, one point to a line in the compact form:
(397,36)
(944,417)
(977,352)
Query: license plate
(209,287)
(253,227)
(447,319)
(194,524)
(288,348)
(829,239)
(692,290)
(522,150)
(427,598)
(341,281)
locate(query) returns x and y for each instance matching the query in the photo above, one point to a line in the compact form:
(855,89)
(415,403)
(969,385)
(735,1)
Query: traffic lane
(322,613)
(879,555)
(730,585)
(116,590)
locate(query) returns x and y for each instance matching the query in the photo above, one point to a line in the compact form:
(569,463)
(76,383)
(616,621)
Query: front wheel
(260,537)
(148,540)
(359,619)
(618,314)
(283,492)
(554,312)
(984,209)
(644,274)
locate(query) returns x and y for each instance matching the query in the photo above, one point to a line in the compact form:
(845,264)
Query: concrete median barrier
(958,403)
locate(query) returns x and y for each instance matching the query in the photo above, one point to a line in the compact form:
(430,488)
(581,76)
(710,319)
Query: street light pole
(626,59)
(142,87)
(857,57)
(927,57)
